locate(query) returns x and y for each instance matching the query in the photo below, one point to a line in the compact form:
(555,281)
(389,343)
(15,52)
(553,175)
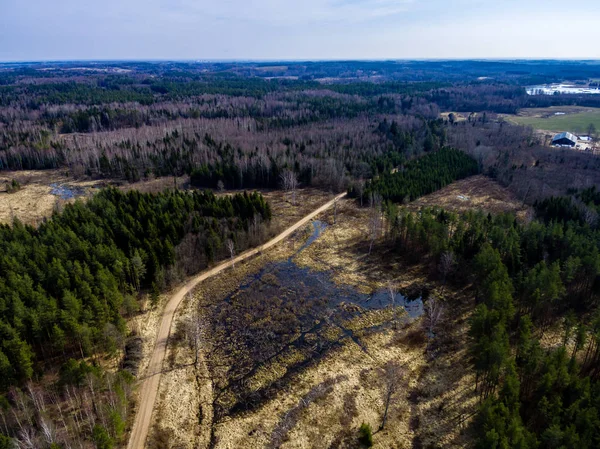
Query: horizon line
(299,60)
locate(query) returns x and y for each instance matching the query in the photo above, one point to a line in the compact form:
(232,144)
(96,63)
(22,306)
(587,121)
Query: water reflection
(310,285)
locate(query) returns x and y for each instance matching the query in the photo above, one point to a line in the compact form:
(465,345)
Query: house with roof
(565,139)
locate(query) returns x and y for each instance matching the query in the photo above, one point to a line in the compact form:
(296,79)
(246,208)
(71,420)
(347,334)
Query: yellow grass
(475,193)
(438,396)
(34,201)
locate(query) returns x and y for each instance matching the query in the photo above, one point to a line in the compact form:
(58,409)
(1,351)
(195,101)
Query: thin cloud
(297,29)
(288,13)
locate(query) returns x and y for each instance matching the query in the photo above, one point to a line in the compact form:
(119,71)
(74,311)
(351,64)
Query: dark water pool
(284,310)
(65,191)
(310,285)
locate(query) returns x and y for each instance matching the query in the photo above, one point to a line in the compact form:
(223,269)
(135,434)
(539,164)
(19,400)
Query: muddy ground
(321,384)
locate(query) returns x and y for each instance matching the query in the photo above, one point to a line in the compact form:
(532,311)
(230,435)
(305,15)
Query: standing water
(66,192)
(310,285)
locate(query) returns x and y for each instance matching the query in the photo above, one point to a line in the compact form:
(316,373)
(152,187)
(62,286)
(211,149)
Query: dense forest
(421,176)
(332,123)
(65,286)
(526,277)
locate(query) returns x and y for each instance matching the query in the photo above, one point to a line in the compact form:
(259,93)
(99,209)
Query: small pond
(65,191)
(317,285)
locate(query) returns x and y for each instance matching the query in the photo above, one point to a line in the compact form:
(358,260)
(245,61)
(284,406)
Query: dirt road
(149,387)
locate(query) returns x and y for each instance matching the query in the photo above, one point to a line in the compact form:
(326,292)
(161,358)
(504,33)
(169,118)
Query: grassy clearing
(319,398)
(576,119)
(35,201)
(476,192)
(440,397)
(36,198)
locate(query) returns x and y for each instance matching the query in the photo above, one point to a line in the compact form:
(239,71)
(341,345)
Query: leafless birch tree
(289,182)
(446,265)
(433,314)
(194,328)
(231,248)
(394,376)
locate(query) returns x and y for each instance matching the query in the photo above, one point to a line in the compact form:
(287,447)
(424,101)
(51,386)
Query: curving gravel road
(149,387)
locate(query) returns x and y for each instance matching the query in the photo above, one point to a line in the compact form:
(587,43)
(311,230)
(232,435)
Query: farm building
(564,139)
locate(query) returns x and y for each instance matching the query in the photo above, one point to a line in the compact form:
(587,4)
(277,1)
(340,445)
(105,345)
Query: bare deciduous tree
(591,217)
(48,430)
(194,330)
(360,190)
(289,182)
(446,265)
(393,293)
(27,439)
(394,376)
(374,218)
(231,249)
(434,310)
(335,205)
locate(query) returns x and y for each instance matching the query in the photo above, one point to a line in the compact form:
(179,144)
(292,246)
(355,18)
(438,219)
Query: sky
(298,29)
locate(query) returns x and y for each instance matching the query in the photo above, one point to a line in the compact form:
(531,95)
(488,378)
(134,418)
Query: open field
(41,192)
(477,192)
(576,119)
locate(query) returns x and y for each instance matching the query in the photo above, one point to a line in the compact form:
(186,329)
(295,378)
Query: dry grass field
(43,191)
(477,192)
(317,394)
(40,193)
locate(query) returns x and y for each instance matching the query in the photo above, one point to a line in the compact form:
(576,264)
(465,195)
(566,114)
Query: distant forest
(388,132)
(333,124)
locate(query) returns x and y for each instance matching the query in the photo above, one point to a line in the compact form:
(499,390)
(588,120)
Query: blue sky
(294,29)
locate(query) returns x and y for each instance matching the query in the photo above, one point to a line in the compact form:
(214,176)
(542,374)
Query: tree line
(526,277)
(65,286)
(421,176)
